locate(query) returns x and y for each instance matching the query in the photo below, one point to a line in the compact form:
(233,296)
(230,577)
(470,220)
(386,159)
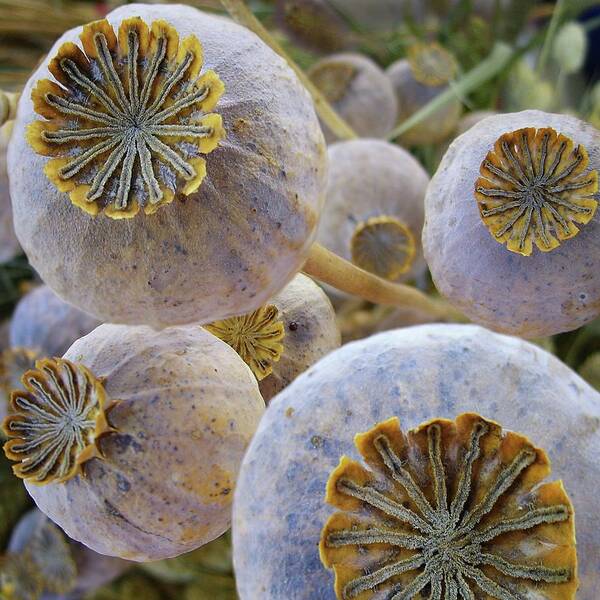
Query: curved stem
(324,265)
(487,69)
(244,16)
(8,106)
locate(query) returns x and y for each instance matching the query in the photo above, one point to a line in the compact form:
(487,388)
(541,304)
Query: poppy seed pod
(44,323)
(92,569)
(282,339)
(140,434)
(418,79)
(359,91)
(510,232)
(374,210)
(311,332)
(424,375)
(166,167)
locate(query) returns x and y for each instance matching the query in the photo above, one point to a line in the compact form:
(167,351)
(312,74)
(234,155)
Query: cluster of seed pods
(170,179)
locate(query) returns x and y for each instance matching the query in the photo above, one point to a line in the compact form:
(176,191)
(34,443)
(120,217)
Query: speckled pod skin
(311,332)
(529,296)
(93,570)
(416,374)
(370,178)
(188,408)
(45,323)
(9,244)
(228,247)
(413,95)
(364,98)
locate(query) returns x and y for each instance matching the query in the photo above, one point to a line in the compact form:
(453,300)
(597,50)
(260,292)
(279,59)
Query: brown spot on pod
(129,119)
(55,423)
(535,186)
(452,509)
(256,337)
(383,245)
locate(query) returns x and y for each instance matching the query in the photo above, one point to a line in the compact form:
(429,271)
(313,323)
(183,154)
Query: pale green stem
(244,16)
(487,69)
(550,34)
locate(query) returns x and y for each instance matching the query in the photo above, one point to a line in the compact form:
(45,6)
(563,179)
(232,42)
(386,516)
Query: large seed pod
(501,210)
(359,91)
(374,211)
(93,570)
(9,244)
(418,80)
(208,221)
(146,463)
(416,374)
(46,324)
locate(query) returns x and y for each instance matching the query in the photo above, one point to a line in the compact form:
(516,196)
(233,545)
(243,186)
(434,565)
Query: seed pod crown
(130,118)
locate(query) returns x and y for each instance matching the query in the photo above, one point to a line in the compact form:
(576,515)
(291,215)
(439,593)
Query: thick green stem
(497,60)
(550,35)
(324,265)
(244,16)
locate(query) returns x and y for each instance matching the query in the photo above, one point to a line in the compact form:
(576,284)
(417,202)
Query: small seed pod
(76,567)
(9,244)
(284,338)
(195,147)
(359,91)
(311,332)
(374,210)
(37,540)
(526,89)
(569,48)
(501,210)
(46,324)
(19,579)
(414,373)
(125,415)
(418,79)
(299,18)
